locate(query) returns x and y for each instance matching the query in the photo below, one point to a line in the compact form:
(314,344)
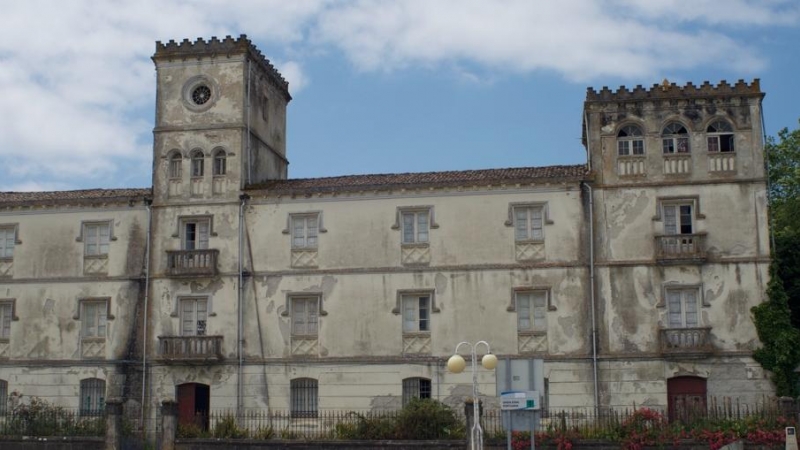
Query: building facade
(230,285)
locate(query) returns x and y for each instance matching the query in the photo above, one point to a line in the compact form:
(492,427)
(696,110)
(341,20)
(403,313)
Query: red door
(686,397)
(193,404)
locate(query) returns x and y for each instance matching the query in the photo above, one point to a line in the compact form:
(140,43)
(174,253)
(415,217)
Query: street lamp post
(456,364)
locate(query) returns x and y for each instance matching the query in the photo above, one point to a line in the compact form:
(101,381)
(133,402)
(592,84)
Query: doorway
(193,405)
(686,397)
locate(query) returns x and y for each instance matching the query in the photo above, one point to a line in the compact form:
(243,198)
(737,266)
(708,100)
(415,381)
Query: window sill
(529,241)
(632,156)
(532,333)
(305,336)
(416,334)
(96,256)
(305,249)
(93,339)
(415,245)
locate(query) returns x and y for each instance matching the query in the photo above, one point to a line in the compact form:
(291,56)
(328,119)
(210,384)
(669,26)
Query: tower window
(630,141)
(201,95)
(175,163)
(220,163)
(675,139)
(720,137)
(198,162)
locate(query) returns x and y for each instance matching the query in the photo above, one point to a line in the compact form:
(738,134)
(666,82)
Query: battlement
(667,90)
(215,47)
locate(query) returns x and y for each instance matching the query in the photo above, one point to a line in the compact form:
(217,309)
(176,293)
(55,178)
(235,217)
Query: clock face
(201,95)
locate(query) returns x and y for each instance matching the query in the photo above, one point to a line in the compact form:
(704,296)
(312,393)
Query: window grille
(304,392)
(93,397)
(3,397)
(416,388)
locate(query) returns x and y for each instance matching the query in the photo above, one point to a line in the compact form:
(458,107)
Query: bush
(429,419)
(226,428)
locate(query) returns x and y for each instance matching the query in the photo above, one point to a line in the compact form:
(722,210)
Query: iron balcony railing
(192,263)
(188,348)
(681,247)
(686,340)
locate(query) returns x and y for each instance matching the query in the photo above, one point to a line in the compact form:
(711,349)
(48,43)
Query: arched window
(675,138)
(93,396)
(3,397)
(175,165)
(630,141)
(304,392)
(220,163)
(720,136)
(198,160)
(416,388)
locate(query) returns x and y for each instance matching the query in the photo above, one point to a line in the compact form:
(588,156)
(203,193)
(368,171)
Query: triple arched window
(675,138)
(630,141)
(197,158)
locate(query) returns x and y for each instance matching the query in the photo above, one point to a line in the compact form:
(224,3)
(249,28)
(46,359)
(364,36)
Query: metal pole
(476,433)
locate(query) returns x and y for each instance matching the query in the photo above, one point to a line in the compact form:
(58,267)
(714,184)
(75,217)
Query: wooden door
(686,397)
(193,404)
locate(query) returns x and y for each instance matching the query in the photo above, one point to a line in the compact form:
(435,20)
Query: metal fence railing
(52,421)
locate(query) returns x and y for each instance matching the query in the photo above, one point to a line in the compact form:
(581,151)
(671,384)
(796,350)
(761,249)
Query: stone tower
(220,119)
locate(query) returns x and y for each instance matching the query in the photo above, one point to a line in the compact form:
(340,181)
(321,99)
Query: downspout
(240,334)
(148,202)
(249,152)
(591,295)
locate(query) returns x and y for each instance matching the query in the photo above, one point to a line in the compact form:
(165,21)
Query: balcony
(681,341)
(681,248)
(192,263)
(190,348)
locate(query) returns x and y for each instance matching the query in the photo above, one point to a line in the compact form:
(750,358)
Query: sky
(378,86)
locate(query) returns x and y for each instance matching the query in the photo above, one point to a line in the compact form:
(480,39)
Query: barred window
(3,397)
(416,388)
(304,392)
(93,396)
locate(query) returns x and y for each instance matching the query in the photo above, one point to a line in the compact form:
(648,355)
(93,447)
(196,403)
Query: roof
(80,196)
(484,177)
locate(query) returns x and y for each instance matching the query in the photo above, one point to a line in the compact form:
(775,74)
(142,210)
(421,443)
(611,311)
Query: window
(96,237)
(94,316)
(304,230)
(93,396)
(416,313)
(194,312)
(175,165)
(528,223)
(675,139)
(198,161)
(3,397)
(415,226)
(304,392)
(265,108)
(220,163)
(8,237)
(416,388)
(531,311)
(195,234)
(682,308)
(720,137)
(6,316)
(678,219)
(305,316)
(630,141)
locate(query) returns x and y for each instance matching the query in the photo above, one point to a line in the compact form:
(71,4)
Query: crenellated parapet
(669,91)
(215,47)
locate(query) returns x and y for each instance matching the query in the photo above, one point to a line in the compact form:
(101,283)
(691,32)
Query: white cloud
(78,85)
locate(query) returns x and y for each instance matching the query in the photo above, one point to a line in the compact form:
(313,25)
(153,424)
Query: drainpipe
(148,202)
(591,295)
(240,319)
(249,152)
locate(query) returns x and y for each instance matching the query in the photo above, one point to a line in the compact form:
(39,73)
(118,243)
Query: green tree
(778,319)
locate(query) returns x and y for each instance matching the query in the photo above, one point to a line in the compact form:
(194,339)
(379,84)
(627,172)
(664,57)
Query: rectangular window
(624,148)
(3,397)
(682,308)
(220,163)
(675,144)
(194,313)
(94,319)
(415,226)
(416,388)
(93,397)
(528,223)
(96,237)
(416,313)
(195,234)
(531,311)
(6,314)
(678,219)
(721,143)
(305,316)
(7,240)
(304,394)
(304,231)
(175,165)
